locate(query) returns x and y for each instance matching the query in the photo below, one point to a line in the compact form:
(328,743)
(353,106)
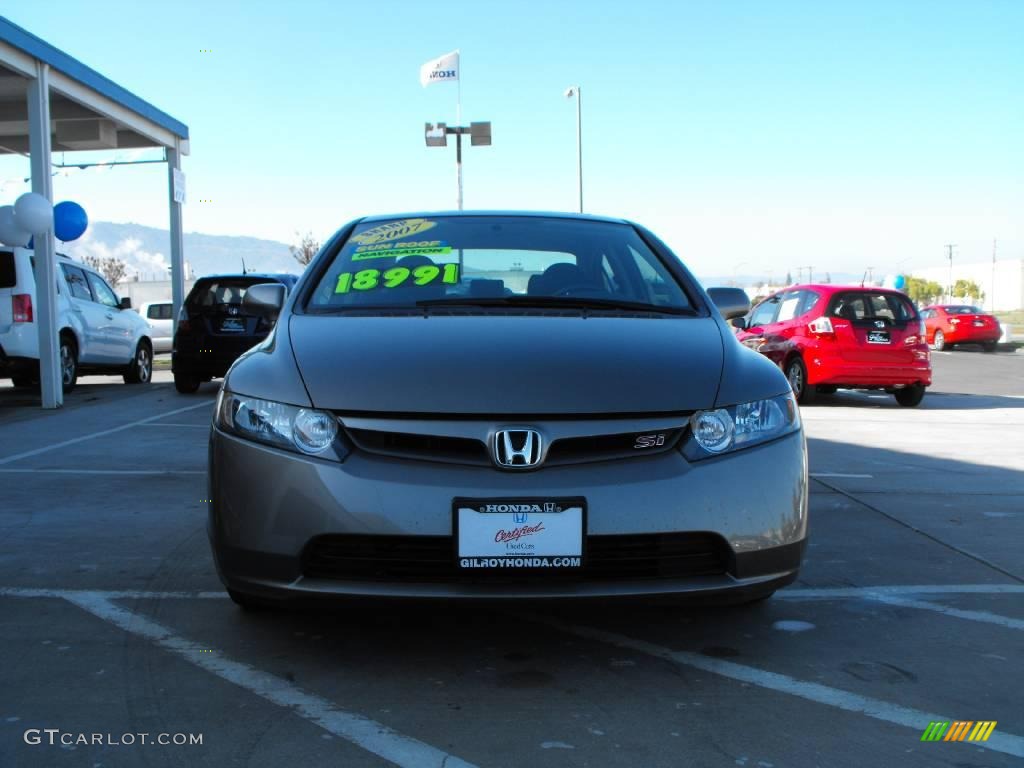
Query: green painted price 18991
(368,279)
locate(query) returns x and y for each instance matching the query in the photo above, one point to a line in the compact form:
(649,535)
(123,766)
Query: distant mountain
(147,251)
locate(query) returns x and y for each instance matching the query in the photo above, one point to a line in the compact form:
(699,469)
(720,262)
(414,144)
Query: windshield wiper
(553,302)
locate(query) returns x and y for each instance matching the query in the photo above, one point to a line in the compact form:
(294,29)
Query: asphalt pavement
(909,609)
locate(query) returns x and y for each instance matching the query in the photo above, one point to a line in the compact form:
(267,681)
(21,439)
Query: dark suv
(214,328)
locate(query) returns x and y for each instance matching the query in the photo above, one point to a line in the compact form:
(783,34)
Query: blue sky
(752,136)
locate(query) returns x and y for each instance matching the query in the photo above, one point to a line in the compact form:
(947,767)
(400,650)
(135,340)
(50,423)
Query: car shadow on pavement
(933,401)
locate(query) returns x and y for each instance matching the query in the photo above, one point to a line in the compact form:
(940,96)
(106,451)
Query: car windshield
(963,309)
(485,260)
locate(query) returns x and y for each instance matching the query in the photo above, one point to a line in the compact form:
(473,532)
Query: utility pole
(949,254)
(992,292)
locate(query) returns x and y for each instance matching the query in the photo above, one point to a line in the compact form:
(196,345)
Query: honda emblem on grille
(515,448)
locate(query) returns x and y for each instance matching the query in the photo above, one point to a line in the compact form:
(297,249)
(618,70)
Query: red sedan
(949,324)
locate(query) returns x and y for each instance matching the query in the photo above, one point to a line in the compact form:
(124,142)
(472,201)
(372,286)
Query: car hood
(508,364)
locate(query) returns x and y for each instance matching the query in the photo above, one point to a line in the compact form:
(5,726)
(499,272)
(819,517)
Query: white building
(1002,281)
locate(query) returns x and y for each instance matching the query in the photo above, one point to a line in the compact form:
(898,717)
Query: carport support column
(45,309)
(177,241)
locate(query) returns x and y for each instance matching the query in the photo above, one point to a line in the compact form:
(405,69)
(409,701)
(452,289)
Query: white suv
(98,333)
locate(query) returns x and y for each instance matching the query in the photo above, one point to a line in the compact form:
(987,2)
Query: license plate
(519,534)
(878,337)
(232,325)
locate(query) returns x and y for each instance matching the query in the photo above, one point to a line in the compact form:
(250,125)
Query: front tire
(186,383)
(939,341)
(910,397)
(68,363)
(140,369)
(796,372)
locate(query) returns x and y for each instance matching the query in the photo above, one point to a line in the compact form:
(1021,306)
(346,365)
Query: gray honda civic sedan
(504,405)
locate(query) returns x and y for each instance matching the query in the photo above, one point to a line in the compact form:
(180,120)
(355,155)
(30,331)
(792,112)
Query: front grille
(432,558)
(457,450)
(577,450)
(463,450)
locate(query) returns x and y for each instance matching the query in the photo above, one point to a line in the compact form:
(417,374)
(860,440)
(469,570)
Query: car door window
(788,306)
(104,295)
(809,302)
(75,278)
(159,312)
(764,313)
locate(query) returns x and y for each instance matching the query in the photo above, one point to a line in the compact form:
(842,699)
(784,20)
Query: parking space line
(895,714)
(828,593)
(110,471)
(838,474)
(102,433)
(959,613)
(368,734)
(111,594)
(168,424)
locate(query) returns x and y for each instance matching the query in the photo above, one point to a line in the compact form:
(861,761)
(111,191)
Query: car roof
(518,214)
(279,276)
(836,288)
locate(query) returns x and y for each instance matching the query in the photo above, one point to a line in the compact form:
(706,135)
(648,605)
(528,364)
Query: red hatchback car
(827,337)
(949,324)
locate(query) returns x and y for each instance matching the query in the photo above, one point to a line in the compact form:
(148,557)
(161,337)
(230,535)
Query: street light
(575,90)
(436,135)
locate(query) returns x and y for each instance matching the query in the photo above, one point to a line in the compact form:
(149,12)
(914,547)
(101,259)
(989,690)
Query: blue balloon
(69,221)
(901,282)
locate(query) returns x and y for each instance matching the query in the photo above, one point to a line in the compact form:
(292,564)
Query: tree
(789,278)
(306,249)
(828,278)
(922,291)
(111,267)
(968,289)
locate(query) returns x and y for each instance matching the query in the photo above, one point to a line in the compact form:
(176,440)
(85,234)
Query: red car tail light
(821,325)
(21,307)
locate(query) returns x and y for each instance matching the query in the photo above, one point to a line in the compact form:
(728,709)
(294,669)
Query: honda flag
(440,70)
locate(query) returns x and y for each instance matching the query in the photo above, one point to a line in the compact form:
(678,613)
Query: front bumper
(267,505)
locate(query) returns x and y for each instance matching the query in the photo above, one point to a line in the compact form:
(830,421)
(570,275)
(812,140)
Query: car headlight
(290,427)
(713,433)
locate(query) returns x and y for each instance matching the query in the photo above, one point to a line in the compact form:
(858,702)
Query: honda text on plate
(508,405)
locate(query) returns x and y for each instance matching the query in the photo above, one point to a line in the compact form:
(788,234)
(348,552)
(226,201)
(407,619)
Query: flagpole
(458,121)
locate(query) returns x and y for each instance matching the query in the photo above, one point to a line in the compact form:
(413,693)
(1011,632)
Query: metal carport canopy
(50,101)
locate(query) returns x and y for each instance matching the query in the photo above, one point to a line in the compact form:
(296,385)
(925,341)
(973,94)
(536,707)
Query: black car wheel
(68,363)
(140,369)
(910,397)
(186,383)
(796,372)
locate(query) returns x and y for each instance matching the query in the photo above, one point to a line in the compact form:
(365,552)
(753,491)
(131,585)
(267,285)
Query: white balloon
(10,232)
(34,213)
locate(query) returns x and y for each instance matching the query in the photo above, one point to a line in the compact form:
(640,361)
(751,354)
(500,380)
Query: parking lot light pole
(575,90)
(436,135)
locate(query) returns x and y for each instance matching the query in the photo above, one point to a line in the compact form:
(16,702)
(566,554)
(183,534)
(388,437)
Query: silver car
(504,405)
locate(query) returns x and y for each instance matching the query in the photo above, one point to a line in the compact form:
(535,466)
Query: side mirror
(265,299)
(739,322)
(126,303)
(731,302)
